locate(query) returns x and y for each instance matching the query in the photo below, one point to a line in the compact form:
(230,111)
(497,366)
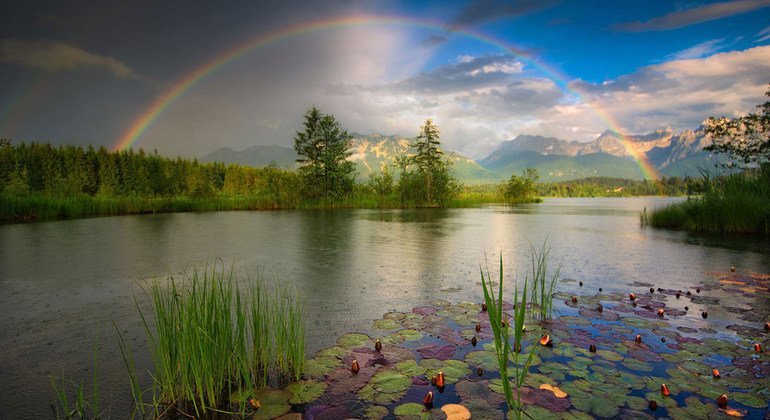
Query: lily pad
(305,391)
(320,366)
(376,412)
(385,387)
(352,340)
(487,360)
(386,324)
(273,403)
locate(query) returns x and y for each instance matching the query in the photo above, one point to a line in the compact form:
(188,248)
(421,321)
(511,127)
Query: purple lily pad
(425,310)
(437,352)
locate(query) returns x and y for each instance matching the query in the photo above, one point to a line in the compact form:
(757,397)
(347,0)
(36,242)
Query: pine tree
(323,151)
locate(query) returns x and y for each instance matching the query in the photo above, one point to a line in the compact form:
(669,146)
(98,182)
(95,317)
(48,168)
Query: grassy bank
(737,203)
(40,207)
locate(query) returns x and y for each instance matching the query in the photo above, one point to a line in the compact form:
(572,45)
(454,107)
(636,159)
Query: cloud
(466,74)
(763,35)
(58,56)
(701,50)
(480,11)
(682,93)
(693,16)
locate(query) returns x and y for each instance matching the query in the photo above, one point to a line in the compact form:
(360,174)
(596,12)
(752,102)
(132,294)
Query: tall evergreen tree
(323,149)
(433,170)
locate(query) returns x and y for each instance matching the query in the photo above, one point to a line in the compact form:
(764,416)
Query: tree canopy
(746,140)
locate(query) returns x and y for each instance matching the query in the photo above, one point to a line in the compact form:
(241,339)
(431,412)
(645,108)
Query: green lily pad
(386,324)
(320,366)
(453,370)
(376,412)
(661,399)
(597,403)
(750,400)
(273,403)
(478,392)
(487,360)
(385,387)
(410,335)
(397,316)
(410,368)
(412,411)
(538,412)
(333,352)
(352,340)
(305,391)
(634,364)
(609,355)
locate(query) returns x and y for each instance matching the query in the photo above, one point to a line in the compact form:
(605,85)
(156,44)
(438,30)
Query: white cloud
(704,49)
(763,35)
(57,56)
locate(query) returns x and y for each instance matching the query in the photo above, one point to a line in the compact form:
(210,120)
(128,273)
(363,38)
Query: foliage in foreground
(500,324)
(735,203)
(213,345)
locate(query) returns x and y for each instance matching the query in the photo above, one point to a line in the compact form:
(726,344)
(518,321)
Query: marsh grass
(211,344)
(734,203)
(70,398)
(501,330)
(542,284)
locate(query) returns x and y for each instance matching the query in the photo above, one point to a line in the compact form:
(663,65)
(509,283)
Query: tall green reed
(209,342)
(501,330)
(542,284)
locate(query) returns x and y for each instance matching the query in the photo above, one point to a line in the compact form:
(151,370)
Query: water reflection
(62,281)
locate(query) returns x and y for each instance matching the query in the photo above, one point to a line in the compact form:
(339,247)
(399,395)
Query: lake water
(62,284)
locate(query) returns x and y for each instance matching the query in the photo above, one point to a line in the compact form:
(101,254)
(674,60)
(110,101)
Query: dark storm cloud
(480,11)
(692,16)
(58,56)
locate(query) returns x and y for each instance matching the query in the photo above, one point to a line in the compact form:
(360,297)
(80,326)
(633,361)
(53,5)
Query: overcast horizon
(485,71)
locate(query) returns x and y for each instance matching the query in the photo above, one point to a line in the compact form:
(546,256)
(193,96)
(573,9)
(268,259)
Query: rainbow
(140,125)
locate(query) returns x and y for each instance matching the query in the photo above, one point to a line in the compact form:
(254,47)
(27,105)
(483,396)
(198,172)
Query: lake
(64,283)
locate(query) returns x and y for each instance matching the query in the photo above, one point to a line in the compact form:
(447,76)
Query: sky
(188,77)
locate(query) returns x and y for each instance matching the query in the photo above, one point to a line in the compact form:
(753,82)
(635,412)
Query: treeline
(71,171)
(618,187)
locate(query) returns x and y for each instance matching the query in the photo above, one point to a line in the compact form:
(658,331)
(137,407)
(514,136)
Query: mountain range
(610,155)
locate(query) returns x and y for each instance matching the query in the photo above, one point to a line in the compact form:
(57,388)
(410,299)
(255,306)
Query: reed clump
(212,344)
(543,284)
(734,203)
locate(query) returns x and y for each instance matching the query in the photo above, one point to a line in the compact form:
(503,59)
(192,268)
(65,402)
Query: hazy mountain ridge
(673,154)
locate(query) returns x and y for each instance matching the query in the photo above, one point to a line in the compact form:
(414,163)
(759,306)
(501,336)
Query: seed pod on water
(660,312)
(378,345)
(478,327)
(715,373)
(254,403)
(638,338)
(757,347)
(474,341)
(592,348)
(704,314)
(428,400)
(546,341)
(722,401)
(479,371)
(484,307)
(440,380)
(632,296)
(354,367)
(767,326)
(664,390)
(574,299)
(653,405)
